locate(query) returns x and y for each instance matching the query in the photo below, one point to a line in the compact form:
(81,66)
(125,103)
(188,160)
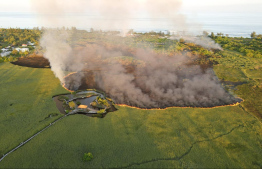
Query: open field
(26,103)
(177,137)
(235,68)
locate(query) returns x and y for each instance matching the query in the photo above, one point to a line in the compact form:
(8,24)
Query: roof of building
(82,106)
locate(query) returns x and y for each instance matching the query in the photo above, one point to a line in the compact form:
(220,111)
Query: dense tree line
(159,41)
(17,36)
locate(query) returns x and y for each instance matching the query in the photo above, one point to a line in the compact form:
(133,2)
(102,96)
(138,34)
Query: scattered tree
(212,35)
(88,157)
(253,34)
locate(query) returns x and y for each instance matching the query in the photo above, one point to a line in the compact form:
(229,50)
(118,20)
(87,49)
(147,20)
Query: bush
(101,111)
(72,104)
(102,101)
(94,104)
(250,55)
(78,103)
(62,97)
(99,106)
(87,157)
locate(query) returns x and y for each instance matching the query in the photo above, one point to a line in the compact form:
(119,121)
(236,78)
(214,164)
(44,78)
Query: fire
(124,105)
(63,85)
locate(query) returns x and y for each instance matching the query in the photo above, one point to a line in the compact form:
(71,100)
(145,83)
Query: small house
(17,49)
(5,53)
(24,45)
(22,49)
(4,50)
(25,49)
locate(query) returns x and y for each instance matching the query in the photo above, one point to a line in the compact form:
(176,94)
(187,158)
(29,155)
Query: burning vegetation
(145,70)
(147,79)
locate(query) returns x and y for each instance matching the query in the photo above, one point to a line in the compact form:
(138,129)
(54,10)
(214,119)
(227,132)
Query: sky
(188,6)
(230,6)
(233,17)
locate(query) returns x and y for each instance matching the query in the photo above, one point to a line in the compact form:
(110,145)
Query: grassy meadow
(25,103)
(237,68)
(224,137)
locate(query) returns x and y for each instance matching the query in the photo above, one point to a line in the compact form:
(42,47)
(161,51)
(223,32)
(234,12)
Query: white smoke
(165,83)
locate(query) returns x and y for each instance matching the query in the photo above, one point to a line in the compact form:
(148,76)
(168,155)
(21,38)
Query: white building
(5,53)
(4,50)
(22,49)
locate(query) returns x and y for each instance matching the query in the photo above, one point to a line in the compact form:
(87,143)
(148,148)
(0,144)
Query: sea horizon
(231,24)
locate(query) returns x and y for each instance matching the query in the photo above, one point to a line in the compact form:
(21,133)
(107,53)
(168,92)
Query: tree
(11,59)
(11,39)
(205,33)
(14,52)
(220,34)
(250,54)
(212,35)
(87,157)
(253,34)
(182,40)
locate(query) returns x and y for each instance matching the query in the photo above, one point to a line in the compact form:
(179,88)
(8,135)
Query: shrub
(101,111)
(102,101)
(72,104)
(78,103)
(250,55)
(87,157)
(94,104)
(62,97)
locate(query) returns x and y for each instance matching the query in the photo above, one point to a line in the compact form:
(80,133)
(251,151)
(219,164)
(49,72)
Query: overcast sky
(188,5)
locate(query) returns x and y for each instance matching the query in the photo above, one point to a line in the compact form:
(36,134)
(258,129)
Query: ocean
(233,24)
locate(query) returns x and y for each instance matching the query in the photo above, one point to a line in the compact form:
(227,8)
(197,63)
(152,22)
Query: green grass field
(250,72)
(25,103)
(225,137)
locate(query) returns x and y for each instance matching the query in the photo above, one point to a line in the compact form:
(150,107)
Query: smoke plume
(135,76)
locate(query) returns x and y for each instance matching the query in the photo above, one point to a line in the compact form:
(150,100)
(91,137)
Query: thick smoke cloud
(157,81)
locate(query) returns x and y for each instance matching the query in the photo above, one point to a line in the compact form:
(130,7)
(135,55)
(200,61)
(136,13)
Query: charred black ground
(34,62)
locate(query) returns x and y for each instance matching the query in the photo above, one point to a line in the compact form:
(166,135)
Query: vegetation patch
(84,102)
(72,105)
(88,157)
